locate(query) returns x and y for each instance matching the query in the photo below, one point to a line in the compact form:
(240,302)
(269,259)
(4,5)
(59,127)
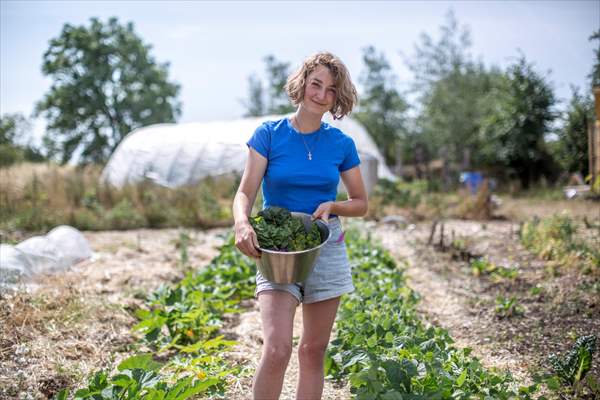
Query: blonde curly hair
(346,95)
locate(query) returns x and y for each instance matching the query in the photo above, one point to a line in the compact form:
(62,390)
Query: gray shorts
(330,278)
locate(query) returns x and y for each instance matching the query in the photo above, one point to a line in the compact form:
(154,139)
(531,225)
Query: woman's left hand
(323,211)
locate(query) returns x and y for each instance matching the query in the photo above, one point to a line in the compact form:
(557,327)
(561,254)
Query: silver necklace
(308,149)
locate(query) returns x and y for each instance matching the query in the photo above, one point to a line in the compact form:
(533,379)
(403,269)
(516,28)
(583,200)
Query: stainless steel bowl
(292,266)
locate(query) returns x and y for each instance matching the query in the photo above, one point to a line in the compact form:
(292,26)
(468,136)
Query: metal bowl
(292,266)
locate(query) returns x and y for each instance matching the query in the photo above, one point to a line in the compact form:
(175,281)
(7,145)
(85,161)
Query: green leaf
(372,341)
(553,383)
(62,395)
(141,361)
(461,379)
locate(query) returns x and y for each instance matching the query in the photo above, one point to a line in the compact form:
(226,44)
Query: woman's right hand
(246,240)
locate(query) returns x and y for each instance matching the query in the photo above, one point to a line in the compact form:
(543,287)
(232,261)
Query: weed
(125,216)
(554,239)
(508,307)
(182,244)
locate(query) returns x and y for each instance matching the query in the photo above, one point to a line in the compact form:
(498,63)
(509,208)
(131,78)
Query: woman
(300,160)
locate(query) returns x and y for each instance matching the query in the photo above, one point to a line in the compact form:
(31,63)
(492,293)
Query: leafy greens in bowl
(277,229)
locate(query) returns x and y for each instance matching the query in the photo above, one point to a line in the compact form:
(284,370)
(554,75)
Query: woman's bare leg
(277,309)
(317,319)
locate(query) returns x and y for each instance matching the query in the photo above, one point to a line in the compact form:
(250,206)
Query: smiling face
(320,91)
(322,84)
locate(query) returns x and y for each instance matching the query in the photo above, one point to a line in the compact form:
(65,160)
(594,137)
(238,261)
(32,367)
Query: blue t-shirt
(293,181)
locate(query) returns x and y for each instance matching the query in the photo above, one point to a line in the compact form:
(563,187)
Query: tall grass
(555,239)
(37,197)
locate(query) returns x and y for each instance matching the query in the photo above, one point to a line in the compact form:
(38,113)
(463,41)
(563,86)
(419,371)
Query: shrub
(125,216)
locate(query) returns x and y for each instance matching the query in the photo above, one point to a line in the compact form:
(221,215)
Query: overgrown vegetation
(39,197)
(555,239)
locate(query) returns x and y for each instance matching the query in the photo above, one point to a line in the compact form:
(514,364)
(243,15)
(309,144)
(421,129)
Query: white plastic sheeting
(177,154)
(61,248)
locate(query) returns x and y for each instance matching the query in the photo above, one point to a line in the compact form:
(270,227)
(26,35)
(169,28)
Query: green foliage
(519,122)
(476,117)
(191,311)
(139,378)
(63,195)
(275,100)
(382,108)
(277,229)
(385,351)
(573,366)
(105,84)
(571,148)
(12,128)
(15,141)
(125,216)
(483,266)
(255,105)
(555,239)
(595,74)
(508,307)
(399,193)
(183,244)
(453,93)
(183,319)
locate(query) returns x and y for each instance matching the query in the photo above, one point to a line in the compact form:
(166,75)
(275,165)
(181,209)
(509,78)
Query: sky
(213,47)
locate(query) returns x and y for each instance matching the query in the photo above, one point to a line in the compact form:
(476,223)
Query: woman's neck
(305,121)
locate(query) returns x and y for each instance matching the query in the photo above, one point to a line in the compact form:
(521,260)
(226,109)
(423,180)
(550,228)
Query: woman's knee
(312,351)
(277,354)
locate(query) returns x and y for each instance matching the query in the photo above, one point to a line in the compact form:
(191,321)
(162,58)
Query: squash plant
(138,378)
(387,353)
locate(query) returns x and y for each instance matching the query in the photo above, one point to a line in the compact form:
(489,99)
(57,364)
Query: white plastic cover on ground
(178,154)
(61,248)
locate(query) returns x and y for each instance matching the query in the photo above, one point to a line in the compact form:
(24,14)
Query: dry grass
(59,330)
(520,209)
(57,336)
(38,197)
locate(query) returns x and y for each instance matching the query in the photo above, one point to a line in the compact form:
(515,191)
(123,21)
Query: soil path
(448,300)
(248,334)
(555,305)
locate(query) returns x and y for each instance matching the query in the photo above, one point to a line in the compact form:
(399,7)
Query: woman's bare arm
(245,237)
(357,203)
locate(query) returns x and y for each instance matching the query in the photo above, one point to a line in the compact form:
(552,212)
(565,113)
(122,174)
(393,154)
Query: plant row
(181,323)
(387,353)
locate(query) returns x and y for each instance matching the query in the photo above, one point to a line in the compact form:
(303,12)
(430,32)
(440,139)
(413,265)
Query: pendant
(309,156)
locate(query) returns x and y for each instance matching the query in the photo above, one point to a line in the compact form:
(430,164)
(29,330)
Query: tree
(451,88)
(595,74)
(16,140)
(277,74)
(255,104)
(105,84)
(453,111)
(275,100)
(572,146)
(435,61)
(519,123)
(382,108)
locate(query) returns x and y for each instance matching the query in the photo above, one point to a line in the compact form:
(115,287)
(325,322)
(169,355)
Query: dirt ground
(451,297)
(59,329)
